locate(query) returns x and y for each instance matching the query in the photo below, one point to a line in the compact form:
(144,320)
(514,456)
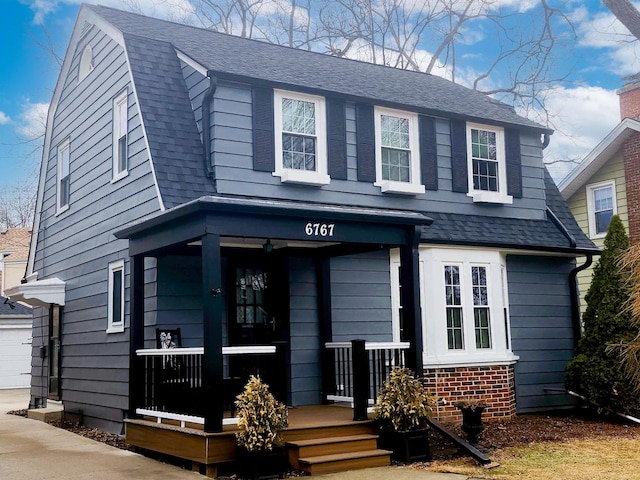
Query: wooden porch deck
(207,451)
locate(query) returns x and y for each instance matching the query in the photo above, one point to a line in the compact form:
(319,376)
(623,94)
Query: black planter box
(261,465)
(407,446)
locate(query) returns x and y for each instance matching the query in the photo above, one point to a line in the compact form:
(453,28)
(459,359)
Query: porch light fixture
(268,246)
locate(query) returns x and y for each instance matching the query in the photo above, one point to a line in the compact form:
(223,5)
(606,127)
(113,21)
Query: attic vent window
(86,26)
(86,63)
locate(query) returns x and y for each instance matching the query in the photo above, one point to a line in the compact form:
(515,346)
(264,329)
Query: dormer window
(397,152)
(86,63)
(486,163)
(301,139)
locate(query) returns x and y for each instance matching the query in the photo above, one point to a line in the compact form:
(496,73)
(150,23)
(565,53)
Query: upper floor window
(116,297)
(86,63)
(486,163)
(63,176)
(301,138)
(120,129)
(465,305)
(601,206)
(397,151)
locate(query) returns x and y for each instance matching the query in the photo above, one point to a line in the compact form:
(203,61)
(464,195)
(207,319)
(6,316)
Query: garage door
(15,356)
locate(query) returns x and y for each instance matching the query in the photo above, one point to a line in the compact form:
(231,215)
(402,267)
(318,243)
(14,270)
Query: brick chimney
(629,97)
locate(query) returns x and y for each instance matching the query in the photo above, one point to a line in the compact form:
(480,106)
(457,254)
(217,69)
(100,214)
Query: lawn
(558,447)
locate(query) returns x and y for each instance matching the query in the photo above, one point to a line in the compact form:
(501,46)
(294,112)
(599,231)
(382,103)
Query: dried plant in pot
(472,425)
(401,410)
(261,420)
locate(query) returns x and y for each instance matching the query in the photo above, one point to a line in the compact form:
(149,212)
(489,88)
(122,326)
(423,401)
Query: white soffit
(595,160)
(40,293)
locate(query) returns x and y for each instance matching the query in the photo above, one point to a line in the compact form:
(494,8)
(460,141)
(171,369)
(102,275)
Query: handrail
(241,350)
(372,345)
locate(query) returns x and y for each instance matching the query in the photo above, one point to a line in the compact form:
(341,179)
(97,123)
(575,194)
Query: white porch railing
(381,358)
(173,381)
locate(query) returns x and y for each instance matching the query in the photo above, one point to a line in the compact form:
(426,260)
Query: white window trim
(394,258)
(434,323)
(484,196)
(414,186)
(121,98)
(292,175)
(591,207)
(112,327)
(86,63)
(66,145)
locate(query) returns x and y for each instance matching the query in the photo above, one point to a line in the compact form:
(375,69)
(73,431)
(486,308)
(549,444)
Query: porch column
(212,305)
(136,332)
(410,299)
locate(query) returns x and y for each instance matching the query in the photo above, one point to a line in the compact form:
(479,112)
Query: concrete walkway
(33,450)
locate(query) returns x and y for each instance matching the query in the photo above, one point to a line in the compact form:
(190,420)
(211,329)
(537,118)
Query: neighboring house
(15,344)
(15,319)
(607,181)
(265,199)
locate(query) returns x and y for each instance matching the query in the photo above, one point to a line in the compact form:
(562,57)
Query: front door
(258,310)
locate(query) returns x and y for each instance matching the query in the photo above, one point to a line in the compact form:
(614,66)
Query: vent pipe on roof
(207,103)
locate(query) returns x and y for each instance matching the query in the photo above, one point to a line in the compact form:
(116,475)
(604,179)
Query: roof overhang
(596,159)
(40,293)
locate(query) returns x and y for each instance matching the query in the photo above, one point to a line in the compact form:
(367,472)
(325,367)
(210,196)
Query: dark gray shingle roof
(174,140)
(19,309)
(282,65)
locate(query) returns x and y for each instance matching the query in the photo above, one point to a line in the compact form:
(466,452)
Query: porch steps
(337,454)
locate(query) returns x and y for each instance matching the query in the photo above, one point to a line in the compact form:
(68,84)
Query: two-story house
(607,181)
(272,203)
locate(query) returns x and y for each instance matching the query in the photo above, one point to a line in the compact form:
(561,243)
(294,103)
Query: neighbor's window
(601,206)
(397,151)
(487,164)
(116,297)
(120,126)
(63,176)
(301,140)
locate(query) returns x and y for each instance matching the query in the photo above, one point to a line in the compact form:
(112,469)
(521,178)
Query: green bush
(596,371)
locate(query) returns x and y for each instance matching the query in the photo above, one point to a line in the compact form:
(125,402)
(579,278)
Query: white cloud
(583,116)
(4,118)
(603,31)
(32,121)
(167,9)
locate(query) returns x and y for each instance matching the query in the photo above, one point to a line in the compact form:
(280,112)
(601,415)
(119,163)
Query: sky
(583,111)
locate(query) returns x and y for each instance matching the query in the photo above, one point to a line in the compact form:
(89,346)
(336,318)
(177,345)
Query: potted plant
(402,409)
(471,418)
(261,419)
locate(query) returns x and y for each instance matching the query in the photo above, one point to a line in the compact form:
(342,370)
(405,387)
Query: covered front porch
(249,284)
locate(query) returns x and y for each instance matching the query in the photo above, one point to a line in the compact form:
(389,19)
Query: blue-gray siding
(77,245)
(541,331)
(232,153)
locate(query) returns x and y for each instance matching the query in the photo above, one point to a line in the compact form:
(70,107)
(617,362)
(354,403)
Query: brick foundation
(492,385)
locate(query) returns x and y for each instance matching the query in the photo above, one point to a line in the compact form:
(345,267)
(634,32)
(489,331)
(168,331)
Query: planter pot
(472,421)
(262,464)
(407,446)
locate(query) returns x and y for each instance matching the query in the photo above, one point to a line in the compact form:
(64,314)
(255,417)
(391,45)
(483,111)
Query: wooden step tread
(344,456)
(325,441)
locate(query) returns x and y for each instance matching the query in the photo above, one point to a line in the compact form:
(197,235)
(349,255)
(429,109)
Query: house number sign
(319,229)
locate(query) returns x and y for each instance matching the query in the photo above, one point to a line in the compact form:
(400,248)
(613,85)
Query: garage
(15,348)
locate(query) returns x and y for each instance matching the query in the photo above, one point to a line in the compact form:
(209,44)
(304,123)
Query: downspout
(575,298)
(207,102)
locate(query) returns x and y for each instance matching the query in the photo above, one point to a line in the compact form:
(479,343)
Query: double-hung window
(63,172)
(120,129)
(116,297)
(397,151)
(465,311)
(487,164)
(601,206)
(301,138)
